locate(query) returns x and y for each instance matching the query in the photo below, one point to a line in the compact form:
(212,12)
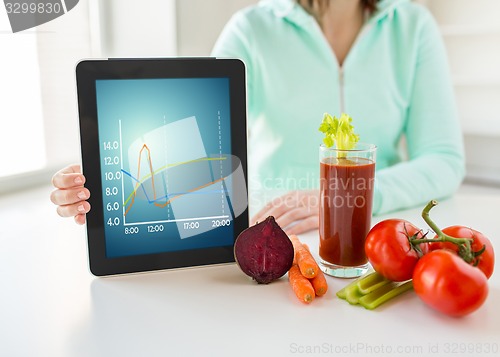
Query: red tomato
(448,284)
(389,251)
(485,261)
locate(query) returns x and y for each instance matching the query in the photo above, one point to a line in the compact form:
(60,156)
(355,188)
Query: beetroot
(263,251)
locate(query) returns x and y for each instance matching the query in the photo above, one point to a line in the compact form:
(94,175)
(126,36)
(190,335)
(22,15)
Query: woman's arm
(436,166)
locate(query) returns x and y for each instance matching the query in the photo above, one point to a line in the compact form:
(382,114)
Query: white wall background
(131,28)
(471,31)
(199,23)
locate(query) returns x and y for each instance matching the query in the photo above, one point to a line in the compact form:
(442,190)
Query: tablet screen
(165,157)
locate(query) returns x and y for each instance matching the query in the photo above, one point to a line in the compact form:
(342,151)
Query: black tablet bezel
(87,72)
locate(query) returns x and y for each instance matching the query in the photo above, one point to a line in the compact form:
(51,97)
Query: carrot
(307,265)
(319,281)
(301,286)
(319,284)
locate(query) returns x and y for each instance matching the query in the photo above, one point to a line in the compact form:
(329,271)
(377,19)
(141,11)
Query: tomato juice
(346,195)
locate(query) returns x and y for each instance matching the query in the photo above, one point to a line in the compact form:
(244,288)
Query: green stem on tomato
(467,254)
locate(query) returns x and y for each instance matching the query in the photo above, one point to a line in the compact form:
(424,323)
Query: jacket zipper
(341,89)
(364,29)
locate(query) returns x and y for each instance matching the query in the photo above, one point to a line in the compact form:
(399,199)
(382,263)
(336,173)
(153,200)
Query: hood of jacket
(291,11)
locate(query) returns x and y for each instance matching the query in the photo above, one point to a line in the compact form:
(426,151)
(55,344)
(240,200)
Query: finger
(277,207)
(275,210)
(69,196)
(68,177)
(311,200)
(74,209)
(305,225)
(259,216)
(276,201)
(292,216)
(80,219)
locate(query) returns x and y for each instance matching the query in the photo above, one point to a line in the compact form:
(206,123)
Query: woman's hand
(70,196)
(296,212)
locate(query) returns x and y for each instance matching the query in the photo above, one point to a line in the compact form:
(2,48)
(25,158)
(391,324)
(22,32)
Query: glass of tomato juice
(346,194)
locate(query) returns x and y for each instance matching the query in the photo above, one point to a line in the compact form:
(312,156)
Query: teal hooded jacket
(394,83)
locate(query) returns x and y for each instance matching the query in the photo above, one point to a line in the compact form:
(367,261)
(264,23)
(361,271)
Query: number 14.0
(111,145)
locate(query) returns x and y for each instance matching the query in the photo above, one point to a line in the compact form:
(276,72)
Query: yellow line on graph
(141,181)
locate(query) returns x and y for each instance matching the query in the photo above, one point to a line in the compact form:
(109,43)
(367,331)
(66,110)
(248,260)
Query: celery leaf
(338,131)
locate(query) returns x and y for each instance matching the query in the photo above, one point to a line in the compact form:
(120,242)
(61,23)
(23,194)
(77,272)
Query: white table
(50,305)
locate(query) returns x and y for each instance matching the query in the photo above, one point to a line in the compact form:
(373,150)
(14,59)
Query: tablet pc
(163,145)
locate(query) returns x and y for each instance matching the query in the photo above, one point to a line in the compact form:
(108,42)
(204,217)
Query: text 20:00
(220,223)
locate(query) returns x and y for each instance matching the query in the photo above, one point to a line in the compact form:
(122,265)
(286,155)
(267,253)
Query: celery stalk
(342,292)
(352,294)
(372,290)
(384,294)
(371,282)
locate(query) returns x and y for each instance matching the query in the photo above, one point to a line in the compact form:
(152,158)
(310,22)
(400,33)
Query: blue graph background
(180,130)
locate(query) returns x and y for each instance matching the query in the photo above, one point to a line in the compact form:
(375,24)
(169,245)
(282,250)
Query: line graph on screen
(165,178)
(164,200)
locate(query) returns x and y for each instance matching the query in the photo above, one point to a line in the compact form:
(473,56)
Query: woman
(381,62)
